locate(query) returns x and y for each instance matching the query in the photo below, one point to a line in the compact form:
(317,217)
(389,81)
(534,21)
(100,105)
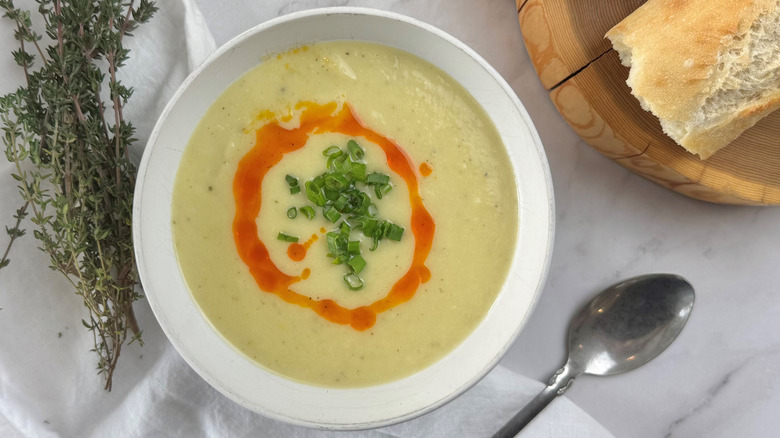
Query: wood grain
(563,36)
(565,42)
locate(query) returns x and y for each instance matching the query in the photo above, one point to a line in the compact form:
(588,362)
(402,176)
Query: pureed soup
(345,214)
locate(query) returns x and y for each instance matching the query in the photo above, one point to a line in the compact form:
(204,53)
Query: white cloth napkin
(48,382)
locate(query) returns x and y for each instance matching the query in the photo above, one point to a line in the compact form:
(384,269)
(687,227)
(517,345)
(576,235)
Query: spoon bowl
(629,324)
(622,328)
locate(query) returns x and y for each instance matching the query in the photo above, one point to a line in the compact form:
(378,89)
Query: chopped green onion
(355,151)
(357,263)
(331,213)
(353,222)
(338,192)
(394,232)
(381,229)
(343,166)
(375,245)
(331,150)
(319,182)
(341,203)
(353,201)
(353,281)
(330,239)
(365,202)
(314,194)
(293,183)
(341,259)
(308,212)
(369,225)
(330,195)
(335,181)
(287,238)
(376,178)
(337,244)
(358,171)
(381,190)
(345,229)
(335,160)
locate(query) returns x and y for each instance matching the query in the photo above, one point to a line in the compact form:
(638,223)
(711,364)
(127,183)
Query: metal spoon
(622,328)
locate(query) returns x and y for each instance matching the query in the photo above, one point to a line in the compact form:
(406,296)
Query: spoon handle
(559,383)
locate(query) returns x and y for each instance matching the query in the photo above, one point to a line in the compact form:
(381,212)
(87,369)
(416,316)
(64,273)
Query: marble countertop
(721,377)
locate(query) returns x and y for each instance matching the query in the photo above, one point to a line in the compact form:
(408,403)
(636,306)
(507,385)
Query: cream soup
(286,306)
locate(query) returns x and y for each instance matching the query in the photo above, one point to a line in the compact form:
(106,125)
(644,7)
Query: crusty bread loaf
(708,69)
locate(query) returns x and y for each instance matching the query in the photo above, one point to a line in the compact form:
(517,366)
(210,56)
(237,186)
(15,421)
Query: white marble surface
(721,377)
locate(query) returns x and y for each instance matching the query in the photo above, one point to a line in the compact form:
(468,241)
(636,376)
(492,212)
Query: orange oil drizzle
(297,251)
(425,169)
(272,142)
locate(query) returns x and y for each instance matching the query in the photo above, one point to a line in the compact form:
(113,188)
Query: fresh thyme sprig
(68,141)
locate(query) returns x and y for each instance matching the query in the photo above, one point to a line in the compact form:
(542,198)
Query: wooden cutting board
(587,83)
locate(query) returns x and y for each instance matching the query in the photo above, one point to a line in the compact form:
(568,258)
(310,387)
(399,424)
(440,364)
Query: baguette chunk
(708,69)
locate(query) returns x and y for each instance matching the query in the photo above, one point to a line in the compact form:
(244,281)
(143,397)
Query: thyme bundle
(68,141)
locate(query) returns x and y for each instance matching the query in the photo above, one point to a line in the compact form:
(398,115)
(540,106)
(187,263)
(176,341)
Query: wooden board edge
(665,176)
(576,108)
(658,160)
(540,44)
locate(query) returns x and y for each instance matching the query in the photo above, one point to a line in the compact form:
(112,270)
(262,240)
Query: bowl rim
(537,148)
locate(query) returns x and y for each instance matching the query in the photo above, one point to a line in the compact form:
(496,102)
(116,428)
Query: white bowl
(229,371)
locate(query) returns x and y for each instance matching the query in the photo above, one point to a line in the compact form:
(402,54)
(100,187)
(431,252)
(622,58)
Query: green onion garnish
(335,181)
(357,263)
(314,194)
(342,193)
(293,183)
(341,203)
(369,225)
(335,160)
(331,213)
(358,171)
(333,244)
(332,150)
(287,238)
(376,178)
(394,232)
(344,229)
(353,281)
(308,212)
(356,153)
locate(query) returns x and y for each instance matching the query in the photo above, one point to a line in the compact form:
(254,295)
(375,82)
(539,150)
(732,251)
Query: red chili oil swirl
(297,251)
(272,142)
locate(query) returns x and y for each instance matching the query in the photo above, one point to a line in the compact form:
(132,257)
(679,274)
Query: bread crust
(707,142)
(673,48)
